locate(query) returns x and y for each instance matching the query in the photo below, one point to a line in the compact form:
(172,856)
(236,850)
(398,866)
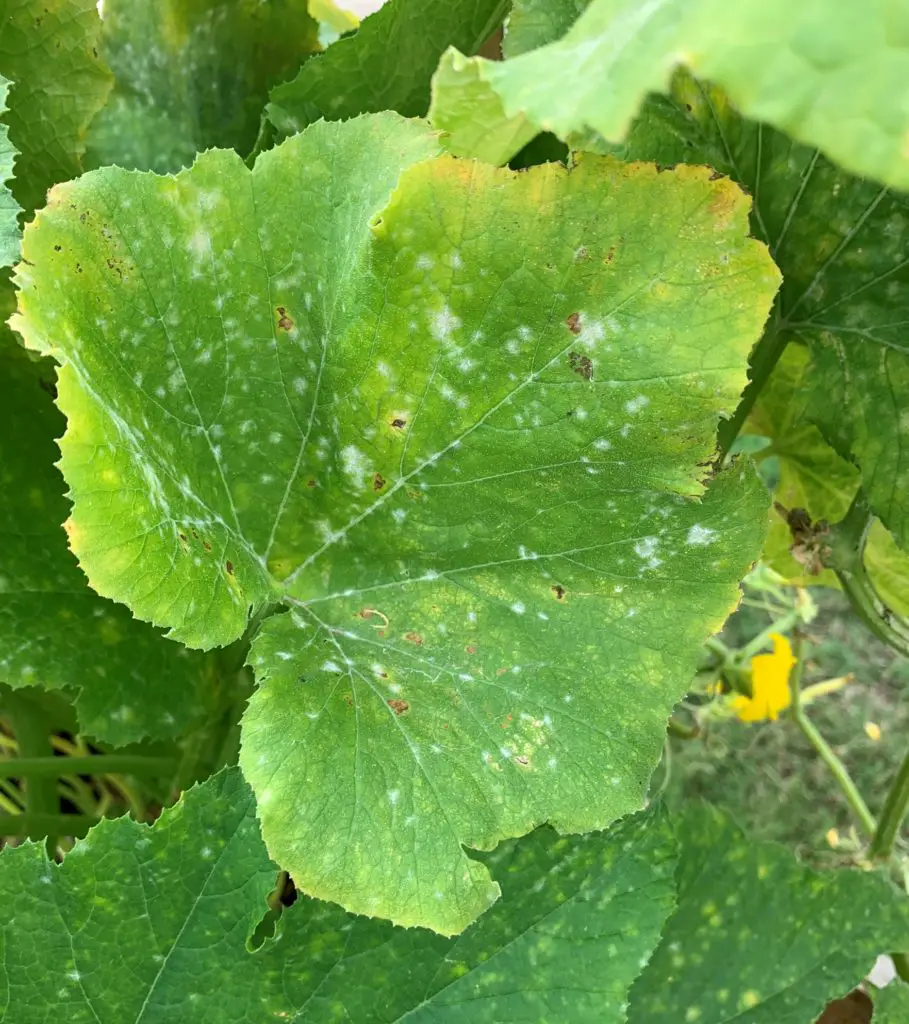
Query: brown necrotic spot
(398,423)
(581,365)
(284,320)
(414,638)
(574,323)
(399,706)
(559,591)
(378,482)
(229,566)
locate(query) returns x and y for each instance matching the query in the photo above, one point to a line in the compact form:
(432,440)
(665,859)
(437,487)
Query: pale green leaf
(829,74)
(170,908)
(9,208)
(386,65)
(129,682)
(466,444)
(47,50)
(759,939)
(193,74)
(891,1006)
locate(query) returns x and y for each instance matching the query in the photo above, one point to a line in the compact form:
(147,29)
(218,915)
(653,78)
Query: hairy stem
(33,735)
(892,816)
(826,753)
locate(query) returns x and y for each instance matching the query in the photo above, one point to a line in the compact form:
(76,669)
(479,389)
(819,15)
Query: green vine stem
(100,764)
(847,559)
(33,730)
(826,753)
(33,825)
(892,816)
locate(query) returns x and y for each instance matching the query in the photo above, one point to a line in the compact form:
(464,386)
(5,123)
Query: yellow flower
(770,692)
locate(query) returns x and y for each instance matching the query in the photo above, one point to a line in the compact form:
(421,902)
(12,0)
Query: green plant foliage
(192,74)
(48,52)
(462,637)
(827,81)
(128,681)
(839,242)
(891,1006)
(175,904)
(757,937)
(386,65)
(534,23)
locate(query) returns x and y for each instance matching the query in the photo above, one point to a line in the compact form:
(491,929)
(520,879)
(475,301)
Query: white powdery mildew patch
(443,324)
(700,536)
(634,405)
(355,464)
(646,549)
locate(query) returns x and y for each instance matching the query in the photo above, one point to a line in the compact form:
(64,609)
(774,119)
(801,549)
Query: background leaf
(759,938)
(830,82)
(48,52)
(171,908)
(324,415)
(128,681)
(193,74)
(386,65)
(891,1006)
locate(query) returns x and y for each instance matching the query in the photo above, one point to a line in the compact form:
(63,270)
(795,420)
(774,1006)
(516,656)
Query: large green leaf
(9,208)
(129,682)
(829,74)
(192,74)
(534,23)
(466,444)
(891,1006)
(48,52)
(386,65)
(150,925)
(759,939)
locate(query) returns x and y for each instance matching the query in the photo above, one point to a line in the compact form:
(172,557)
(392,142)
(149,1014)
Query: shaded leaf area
(891,1006)
(840,243)
(466,443)
(48,52)
(171,907)
(387,64)
(193,74)
(757,937)
(834,83)
(9,208)
(128,681)
(805,472)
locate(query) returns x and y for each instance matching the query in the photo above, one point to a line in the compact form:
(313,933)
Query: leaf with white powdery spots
(171,907)
(466,443)
(192,74)
(758,938)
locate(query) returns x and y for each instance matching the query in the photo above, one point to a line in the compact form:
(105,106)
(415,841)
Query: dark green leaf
(386,65)
(759,939)
(151,925)
(48,52)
